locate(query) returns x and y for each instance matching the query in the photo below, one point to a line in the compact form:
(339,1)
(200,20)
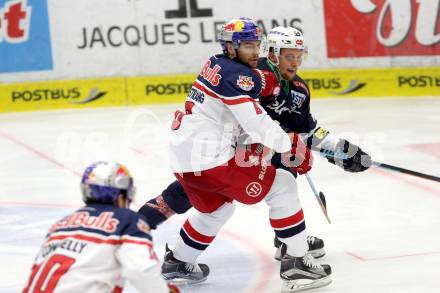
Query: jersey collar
(284,83)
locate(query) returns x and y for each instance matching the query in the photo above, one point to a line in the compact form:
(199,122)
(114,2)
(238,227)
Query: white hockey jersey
(96,249)
(221,106)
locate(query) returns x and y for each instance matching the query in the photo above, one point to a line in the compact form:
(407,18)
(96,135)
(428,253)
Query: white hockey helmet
(285,37)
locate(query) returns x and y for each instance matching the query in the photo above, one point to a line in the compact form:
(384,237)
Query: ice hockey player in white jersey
(222,103)
(222,106)
(103,244)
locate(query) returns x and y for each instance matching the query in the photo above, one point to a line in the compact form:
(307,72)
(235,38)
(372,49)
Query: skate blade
(304,284)
(183,282)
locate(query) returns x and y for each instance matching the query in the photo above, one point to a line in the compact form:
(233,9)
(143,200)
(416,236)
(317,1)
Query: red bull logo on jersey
(245,82)
(104,222)
(143,226)
(211,74)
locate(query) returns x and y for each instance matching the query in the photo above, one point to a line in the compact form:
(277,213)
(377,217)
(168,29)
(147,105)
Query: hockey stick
(329,154)
(406,171)
(319,197)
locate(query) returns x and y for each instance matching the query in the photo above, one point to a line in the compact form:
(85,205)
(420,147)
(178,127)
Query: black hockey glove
(357,160)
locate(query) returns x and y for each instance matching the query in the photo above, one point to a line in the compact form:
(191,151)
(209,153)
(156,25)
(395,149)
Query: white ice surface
(385,231)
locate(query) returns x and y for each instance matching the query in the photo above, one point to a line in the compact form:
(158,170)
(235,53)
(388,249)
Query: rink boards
(164,89)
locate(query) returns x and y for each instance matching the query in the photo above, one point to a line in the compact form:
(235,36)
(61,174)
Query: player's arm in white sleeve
(139,262)
(260,127)
(254,120)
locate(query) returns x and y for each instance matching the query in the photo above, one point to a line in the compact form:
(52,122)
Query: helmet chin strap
(277,60)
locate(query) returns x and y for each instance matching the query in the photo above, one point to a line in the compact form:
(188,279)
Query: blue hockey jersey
(292,108)
(96,249)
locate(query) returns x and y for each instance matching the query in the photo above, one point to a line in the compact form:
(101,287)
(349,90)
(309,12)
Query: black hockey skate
(302,273)
(316,247)
(182,273)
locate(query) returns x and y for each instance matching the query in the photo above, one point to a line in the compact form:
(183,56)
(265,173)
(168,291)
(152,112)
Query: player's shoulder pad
(300,85)
(103,219)
(235,78)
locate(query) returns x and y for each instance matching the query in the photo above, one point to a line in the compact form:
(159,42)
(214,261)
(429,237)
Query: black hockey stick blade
(319,197)
(324,205)
(322,197)
(324,209)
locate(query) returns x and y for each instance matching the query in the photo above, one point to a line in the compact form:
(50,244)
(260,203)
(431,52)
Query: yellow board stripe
(164,89)
(348,83)
(62,94)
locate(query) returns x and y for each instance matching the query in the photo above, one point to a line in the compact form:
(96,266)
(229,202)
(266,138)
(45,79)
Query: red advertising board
(364,28)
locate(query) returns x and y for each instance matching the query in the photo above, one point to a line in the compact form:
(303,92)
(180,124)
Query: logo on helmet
(238,30)
(122,171)
(234,26)
(285,37)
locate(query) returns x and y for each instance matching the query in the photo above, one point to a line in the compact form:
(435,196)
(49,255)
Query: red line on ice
(267,272)
(405,179)
(39,205)
(361,258)
(266,261)
(36,152)
(432,149)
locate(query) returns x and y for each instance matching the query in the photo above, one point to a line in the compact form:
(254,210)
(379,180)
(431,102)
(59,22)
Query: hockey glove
(301,159)
(252,155)
(357,160)
(270,85)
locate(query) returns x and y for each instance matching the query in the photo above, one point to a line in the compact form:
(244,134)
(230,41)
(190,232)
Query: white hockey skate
(303,273)
(316,247)
(179,273)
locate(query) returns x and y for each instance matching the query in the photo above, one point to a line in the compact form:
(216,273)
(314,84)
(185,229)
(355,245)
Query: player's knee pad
(210,223)
(224,212)
(284,189)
